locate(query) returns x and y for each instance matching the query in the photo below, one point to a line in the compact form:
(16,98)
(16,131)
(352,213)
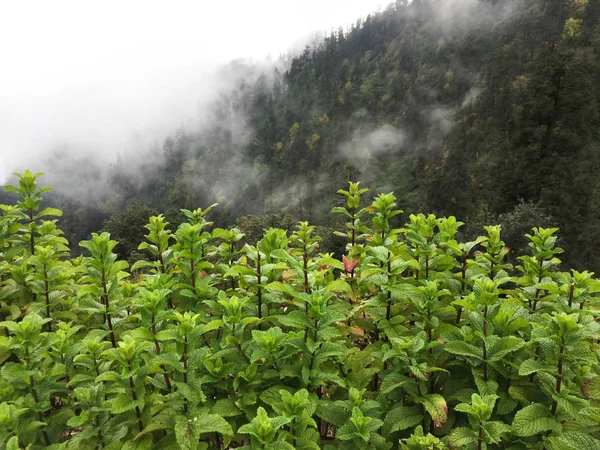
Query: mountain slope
(484,109)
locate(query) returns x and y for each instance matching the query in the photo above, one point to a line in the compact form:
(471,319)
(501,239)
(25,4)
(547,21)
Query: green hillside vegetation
(413,339)
(486,110)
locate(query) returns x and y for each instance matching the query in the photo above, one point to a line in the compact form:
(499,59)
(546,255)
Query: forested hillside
(487,110)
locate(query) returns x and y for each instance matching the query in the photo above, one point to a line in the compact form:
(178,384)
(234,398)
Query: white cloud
(382,140)
(99,75)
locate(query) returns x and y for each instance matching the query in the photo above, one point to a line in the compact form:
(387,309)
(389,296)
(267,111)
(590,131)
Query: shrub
(412,340)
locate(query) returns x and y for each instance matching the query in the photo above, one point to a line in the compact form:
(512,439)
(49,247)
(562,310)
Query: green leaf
(532,420)
(190,391)
(280,445)
(122,403)
(401,418)
(346,432)
(13,443)
(520,393)
(338,285)
(437,408)
(213,423)
(495,430)
(334,414)
(591,388)
(574,441)
(464,349)
(486,388)
(530,366)
(212,325)
(141,333)
(187,433)
(295,319)
(339,209)
(393,381)
(144,443)
(226,407)
(462,437)
(503,347)
(50,212)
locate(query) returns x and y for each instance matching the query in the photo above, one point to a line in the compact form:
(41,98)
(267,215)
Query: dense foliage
(483,109)
(413,340)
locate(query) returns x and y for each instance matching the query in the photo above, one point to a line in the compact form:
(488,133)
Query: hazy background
(113,77)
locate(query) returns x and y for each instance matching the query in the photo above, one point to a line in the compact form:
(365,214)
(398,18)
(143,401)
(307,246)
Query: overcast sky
(94,75)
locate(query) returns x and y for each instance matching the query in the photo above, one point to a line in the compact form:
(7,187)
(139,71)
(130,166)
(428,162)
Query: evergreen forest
(486,110)
(387,240)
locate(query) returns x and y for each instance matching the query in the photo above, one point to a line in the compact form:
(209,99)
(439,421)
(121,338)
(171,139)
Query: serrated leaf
(295,319)
(332,413)
(574,441)
(437,408)
(338,285)
(462,437)
(494,430)
(212,325)
(530,366)
(122,403)
(401,418)
(520,393)
(213,423)
(532,420)
(279,445)
(464,349)
(591,388)
(13,443)
(393,381)
(144,443)
(50,212)
(226,407)
(503,347)
(141,333)
(187,433)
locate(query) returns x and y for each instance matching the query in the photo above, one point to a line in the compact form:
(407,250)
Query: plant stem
(463,283)
(161,268)
(423,422)
(571,292)
(537,291)
(134,397)
(388,311)
(352,242)
(259,294)
(560,375)
(485,368)
(40,416)
(47,295)
(106,304)
(427,261)
(185,366)
(193,267)
(305,269)
(99,432)
(157,346)
(35,395)
(31,238)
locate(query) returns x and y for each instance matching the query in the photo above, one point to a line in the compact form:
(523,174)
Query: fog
(108,78)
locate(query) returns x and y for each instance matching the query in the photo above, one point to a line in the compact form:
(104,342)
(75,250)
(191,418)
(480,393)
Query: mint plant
(411,339)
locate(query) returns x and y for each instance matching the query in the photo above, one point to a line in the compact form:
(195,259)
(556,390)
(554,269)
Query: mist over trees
(482,109)
(385,241)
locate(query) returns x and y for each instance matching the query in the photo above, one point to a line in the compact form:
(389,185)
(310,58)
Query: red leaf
(349,264)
